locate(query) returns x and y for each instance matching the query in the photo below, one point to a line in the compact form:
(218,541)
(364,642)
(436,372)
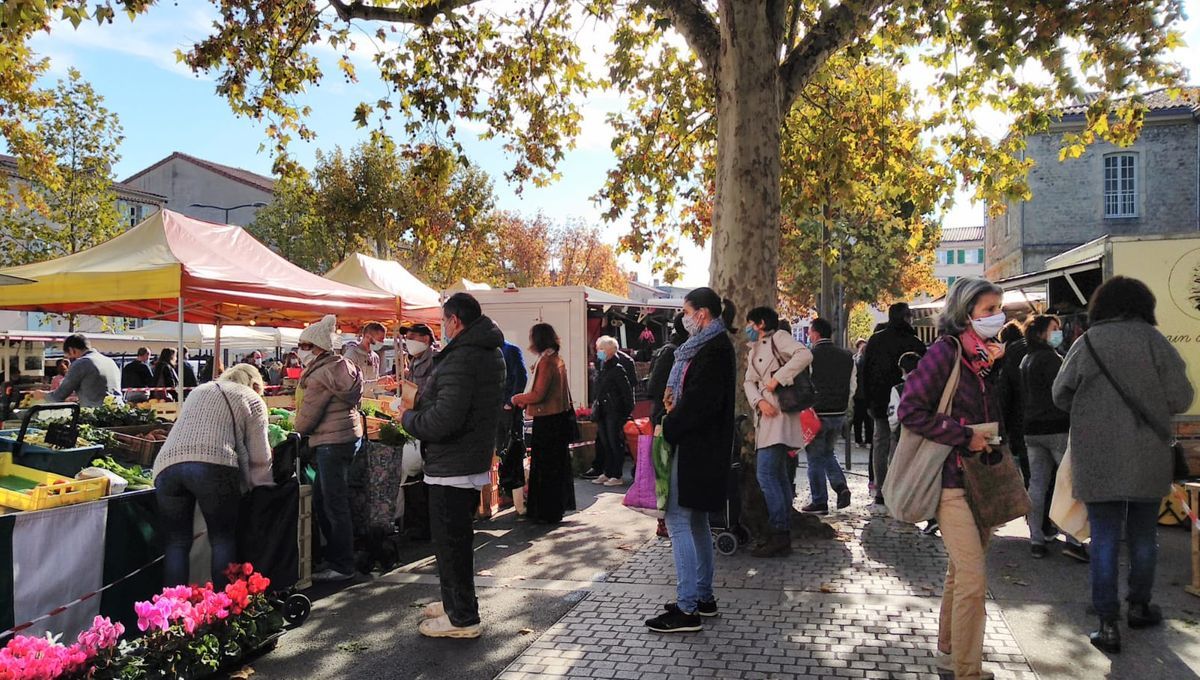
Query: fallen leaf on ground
(826,588)
(241,674)
(1020,583)
(525,631)
(485,572)
(354,646)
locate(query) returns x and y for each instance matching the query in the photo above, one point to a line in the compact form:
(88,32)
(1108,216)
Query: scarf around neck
(978,357)
(683,355)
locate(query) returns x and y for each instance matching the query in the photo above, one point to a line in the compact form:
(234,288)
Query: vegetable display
(393,434)
(134,474)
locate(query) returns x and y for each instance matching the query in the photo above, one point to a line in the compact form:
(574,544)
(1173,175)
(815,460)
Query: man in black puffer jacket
(455,418)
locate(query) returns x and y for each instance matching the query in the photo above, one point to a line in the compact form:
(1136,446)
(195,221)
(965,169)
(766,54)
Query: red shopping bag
(642,495)
(810,424)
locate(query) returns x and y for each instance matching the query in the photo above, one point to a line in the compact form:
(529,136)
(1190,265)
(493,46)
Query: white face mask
(377,346)
(989,326)
(415,347)
(690,324)
(305,356)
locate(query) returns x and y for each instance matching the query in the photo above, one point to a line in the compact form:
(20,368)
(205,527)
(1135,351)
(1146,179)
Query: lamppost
(256,204)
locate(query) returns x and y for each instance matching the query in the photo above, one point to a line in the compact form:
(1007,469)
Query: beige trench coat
(761,366)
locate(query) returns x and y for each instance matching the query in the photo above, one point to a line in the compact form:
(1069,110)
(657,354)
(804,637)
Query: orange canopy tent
(173,266)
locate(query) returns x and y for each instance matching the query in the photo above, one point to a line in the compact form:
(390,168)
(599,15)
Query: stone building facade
(206,190)
(1150,187)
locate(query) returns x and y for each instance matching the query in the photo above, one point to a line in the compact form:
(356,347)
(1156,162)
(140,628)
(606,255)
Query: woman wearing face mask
(1046,428)
(969,323)
(775,360)
(611,408)
(699,424)
(329,393)
(547,400)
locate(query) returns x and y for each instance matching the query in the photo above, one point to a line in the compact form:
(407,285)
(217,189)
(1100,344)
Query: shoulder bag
(913,487)
(1179,465)
(798,396)
(995,487)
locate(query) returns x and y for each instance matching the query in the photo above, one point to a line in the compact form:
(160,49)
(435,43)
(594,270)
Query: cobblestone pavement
(861,606)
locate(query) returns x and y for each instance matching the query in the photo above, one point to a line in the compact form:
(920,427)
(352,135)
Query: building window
(962,257)
(979,259)
(1120,185)
(950,280)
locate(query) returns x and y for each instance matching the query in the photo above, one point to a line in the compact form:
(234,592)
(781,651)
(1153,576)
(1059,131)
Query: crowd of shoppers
(1109,402)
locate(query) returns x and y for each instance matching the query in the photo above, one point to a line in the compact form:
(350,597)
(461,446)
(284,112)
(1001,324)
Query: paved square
(861,606)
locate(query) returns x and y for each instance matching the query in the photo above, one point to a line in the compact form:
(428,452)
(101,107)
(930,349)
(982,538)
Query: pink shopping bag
(641,495)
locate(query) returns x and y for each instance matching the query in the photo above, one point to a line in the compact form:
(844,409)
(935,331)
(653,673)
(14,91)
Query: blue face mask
(1056,339)
(601,356)
(752,333)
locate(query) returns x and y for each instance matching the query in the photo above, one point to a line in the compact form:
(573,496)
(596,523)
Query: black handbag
(798,396)
(1179,465)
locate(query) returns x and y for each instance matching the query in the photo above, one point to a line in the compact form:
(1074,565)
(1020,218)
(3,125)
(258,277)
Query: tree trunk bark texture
(745,240)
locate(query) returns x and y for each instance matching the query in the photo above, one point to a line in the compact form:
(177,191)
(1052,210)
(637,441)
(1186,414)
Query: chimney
(656,283)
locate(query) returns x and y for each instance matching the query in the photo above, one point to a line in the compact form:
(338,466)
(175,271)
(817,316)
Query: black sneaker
(590,474)
(676,621)
(705,609)
(816,509)
(1038,551)
(843,500)
(1077,552)
(1142,615)
(931,528)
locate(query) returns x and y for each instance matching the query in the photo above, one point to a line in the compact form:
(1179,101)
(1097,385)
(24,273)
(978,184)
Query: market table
(60,555)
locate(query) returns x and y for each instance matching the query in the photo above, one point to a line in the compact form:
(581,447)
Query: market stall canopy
(466,285)
(220,272)
(203,335)
(418,302)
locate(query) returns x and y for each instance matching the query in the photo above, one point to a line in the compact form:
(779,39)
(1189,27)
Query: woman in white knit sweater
(216,451)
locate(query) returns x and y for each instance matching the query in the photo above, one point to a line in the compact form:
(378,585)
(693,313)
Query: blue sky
(163,107)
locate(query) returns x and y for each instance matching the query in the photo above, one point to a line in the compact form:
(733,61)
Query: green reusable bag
(662,453)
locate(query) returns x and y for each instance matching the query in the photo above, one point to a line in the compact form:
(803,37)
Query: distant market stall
(418,302)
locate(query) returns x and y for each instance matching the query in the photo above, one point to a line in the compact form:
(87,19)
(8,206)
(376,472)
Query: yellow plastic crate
(23,488)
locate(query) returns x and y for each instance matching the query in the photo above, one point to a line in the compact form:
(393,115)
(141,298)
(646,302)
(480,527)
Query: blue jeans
(772,473)
(217,489)
(1141,533)
(692,545)
(823,465)
(332,492)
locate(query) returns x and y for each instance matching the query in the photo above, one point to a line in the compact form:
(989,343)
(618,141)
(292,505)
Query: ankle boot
(1108,638)
(1143,615)
(777,544)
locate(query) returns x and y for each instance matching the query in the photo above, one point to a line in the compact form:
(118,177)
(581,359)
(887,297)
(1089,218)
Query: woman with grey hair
(969,323)
(611,408)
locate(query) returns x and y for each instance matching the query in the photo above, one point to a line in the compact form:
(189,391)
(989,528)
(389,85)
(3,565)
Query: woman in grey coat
(1122,464)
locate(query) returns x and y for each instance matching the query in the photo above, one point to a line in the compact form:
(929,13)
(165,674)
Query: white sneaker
(600,480)
(614,481)
(442,628)
(331,576)
(433,611)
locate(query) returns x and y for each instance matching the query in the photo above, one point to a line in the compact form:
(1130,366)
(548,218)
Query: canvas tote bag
(913,487)
(1067,512)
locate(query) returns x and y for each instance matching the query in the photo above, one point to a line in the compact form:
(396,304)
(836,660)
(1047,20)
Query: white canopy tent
(236,338)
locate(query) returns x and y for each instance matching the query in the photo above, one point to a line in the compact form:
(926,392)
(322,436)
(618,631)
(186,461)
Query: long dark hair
(707,298)
(543,337)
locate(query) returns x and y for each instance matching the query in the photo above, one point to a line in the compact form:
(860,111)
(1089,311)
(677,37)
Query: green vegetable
(137,478)
(281,412)
(275,434)
(393,434)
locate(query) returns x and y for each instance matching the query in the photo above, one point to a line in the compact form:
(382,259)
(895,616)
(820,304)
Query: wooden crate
(287,401)
(137,447)
(304,536)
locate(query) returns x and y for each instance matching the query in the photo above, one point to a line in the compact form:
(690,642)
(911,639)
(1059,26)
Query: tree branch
(698,26)
(836,28)
(421,16)
(793,26)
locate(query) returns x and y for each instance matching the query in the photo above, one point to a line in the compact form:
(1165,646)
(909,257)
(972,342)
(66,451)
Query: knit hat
(321,332)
